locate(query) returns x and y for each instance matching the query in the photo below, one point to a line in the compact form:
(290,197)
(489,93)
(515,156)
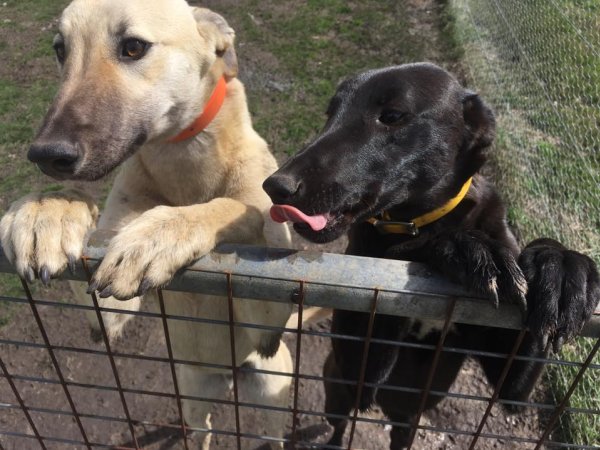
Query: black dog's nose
(281,188)
(55,158)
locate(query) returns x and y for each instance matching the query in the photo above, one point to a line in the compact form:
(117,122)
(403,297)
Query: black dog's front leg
(381,357)
(481,264)
(564,289)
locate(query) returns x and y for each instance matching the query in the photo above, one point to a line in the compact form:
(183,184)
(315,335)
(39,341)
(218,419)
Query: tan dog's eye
(134,48)
(60,50)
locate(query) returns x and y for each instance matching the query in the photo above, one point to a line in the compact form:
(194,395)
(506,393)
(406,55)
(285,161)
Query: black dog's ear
(480,127)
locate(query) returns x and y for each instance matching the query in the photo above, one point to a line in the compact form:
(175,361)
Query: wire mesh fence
(538,63)
(82,394)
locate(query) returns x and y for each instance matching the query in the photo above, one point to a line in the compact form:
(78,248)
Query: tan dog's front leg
(44,232)
(148,251)
(113,322)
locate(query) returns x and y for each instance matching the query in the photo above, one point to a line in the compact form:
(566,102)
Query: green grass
(317,46)
(35,10)
(543,80)
(21,108)
(10,286)
(578,428)
(28,82)
(532,60)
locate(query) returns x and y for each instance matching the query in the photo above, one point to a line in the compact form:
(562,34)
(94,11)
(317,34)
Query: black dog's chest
(425,330)
(365,240)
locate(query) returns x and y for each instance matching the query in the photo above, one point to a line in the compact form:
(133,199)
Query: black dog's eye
(392,116)
(134,48)
(60,50)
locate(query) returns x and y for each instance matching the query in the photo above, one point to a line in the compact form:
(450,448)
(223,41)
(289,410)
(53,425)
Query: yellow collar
(387,226)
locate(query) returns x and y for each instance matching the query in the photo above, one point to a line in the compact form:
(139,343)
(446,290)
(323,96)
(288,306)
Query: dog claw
(145,286)
(45,275)
(522,304)
(96,335)
(92,287)
(558,343)
(106,292)
(495,298)
(30,275)
(72,264)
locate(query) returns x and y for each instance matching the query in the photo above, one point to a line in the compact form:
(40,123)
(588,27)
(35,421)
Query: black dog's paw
(481,264)
(564,289)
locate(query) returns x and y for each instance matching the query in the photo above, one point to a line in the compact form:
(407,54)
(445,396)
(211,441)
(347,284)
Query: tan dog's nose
(57,159)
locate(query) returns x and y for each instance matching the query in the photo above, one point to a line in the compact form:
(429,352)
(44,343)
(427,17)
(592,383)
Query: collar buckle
(391,227)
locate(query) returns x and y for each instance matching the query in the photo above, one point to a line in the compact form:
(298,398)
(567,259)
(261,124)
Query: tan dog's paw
(42,233)
(148,252)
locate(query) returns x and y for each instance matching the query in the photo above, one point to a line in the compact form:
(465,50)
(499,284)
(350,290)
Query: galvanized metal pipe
(331,280)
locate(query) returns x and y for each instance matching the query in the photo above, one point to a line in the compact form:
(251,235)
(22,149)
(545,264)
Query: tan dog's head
(132,72)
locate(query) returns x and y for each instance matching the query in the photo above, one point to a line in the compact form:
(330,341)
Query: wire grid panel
(61,389)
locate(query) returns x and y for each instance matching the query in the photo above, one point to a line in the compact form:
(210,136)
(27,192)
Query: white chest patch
(419,329)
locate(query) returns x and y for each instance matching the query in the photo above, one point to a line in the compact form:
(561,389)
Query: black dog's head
(404,138)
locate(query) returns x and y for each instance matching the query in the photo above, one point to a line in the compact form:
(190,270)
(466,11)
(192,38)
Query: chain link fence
(538,63)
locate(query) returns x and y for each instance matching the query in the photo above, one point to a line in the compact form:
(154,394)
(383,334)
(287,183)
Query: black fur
(405,139)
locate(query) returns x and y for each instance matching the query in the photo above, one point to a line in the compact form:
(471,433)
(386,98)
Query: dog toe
(157,275)
(120,283)
(512,282)
(481,264)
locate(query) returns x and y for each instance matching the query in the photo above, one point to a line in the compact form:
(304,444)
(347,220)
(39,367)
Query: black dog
(404,144)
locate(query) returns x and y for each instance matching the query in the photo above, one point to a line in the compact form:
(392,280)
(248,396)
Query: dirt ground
(67,328)
(144,337)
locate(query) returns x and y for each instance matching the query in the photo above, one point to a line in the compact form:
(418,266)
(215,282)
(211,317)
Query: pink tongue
(283,213)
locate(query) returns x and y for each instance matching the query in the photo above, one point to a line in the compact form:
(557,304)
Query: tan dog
(134,75)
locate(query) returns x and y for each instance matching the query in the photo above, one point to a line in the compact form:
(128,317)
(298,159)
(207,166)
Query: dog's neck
(481,209)
(394,220)
(195,169)
(365,239)
(211,110)
(388,224)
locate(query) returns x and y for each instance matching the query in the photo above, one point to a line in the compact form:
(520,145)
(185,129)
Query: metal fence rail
(303,278)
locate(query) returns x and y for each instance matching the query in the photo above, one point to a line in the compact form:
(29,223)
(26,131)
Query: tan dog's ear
(215,29)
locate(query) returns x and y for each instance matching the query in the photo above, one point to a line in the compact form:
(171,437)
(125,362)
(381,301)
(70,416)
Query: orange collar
(210,111)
